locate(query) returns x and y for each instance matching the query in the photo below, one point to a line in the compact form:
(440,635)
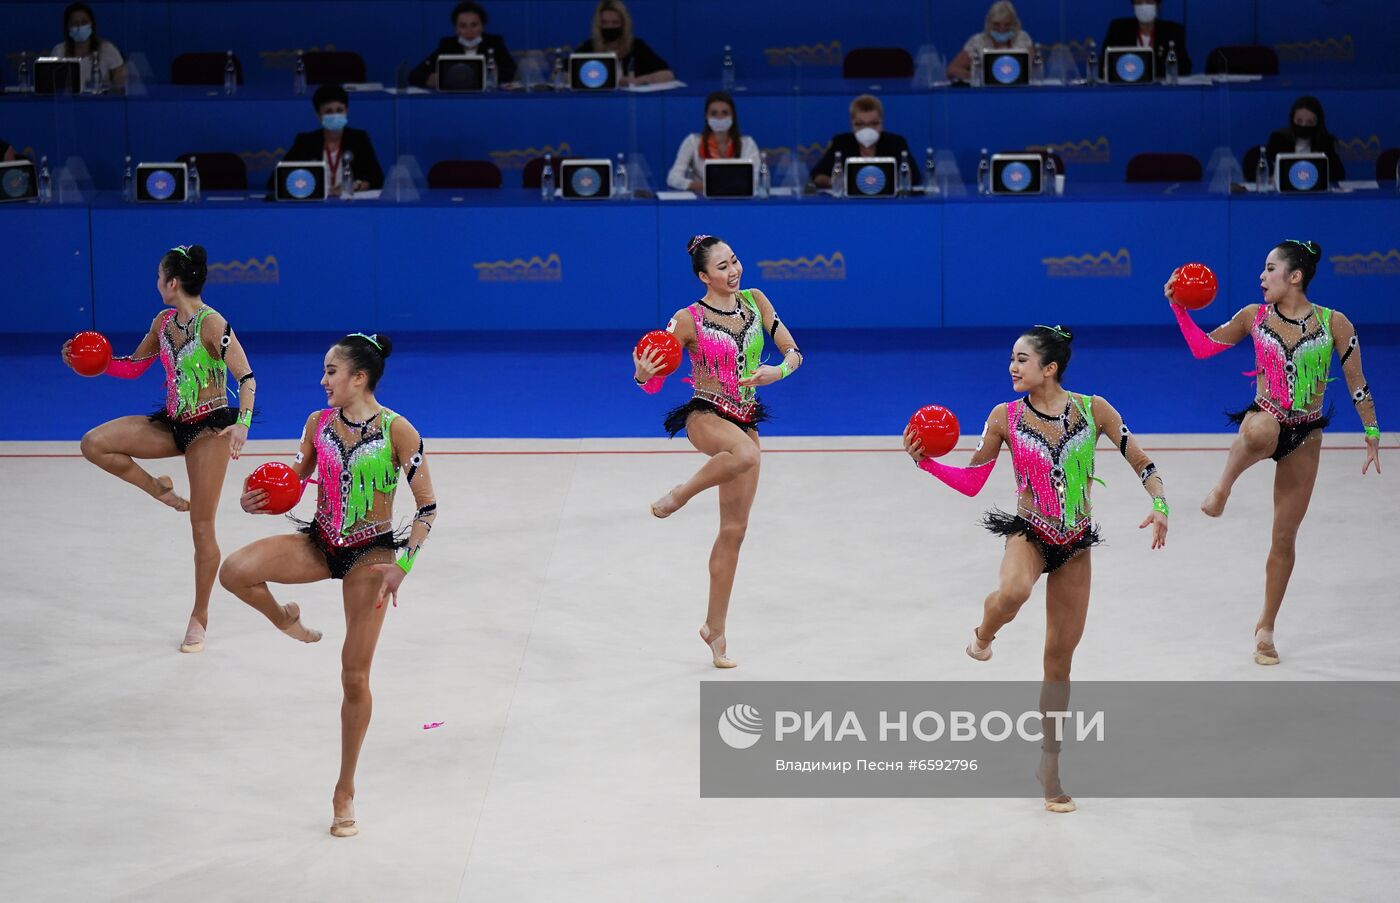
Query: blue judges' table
(1095,129)
(505,260)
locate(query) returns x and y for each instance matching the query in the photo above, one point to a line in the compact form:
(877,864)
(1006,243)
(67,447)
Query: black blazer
(365,165)
(505,63)
(1284,141)
(1124,33)
(889,145)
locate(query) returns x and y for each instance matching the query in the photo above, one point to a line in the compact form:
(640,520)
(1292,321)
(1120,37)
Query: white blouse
(108,57)
(690,166)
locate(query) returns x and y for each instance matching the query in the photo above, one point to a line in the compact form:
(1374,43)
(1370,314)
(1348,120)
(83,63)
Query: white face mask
(469,43)
(1146,12)
(867,137)
(720,125)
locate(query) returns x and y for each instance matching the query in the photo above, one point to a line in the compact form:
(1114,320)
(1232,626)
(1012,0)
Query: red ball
(281,484)
(936,429)
(89,353)
(666,345)
(1195,286)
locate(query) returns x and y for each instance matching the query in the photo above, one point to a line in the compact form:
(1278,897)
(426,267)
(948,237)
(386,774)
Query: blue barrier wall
(1310,36)
(509,262)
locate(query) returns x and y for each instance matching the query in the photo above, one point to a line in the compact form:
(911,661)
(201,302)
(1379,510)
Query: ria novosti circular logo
(740,726)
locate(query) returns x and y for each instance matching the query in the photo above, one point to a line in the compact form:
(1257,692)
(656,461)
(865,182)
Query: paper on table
(675,195)
(658,86)
(409,90)
(372,194)
(363,86)
(1194,80)
(1237,78)
(1355,184)
(233,197)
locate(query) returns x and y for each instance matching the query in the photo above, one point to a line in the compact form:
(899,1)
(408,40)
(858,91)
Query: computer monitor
(729,178)
(162,183)
(1130,65)
(870,177)
(593,71)
(298,180)
(461,73)
(1017,174)
(1006,68)
(18,181)
(586,180)
(58,74)
(1302,172)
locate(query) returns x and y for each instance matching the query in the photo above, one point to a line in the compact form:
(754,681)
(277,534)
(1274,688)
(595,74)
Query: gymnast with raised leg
(723,333)
(357,447)
(1293,344)
(1052,434)
(198,350)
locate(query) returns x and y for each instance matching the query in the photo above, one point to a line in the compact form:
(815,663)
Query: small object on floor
(428,727)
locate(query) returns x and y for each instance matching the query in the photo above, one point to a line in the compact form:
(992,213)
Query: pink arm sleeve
(126,368)
(967,480)
(1202,346)
(653,385)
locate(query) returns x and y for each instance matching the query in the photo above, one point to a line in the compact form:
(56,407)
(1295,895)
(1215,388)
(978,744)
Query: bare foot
(666,505)
(1214,505)
(168,496)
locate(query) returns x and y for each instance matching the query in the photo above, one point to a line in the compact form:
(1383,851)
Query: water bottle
(492,73)
(1048,173)
(547,180)
(984,173)
(95,73)
(558,78)
(726,70)
(192,186)
(299,76)
(620,187)
(1397,175)
(230,76)
(1038,66)
(128,182)
(838,177)
(976,68)
(905,185)
(929,184)
(765,179)
(1261,172)
(1173,74)
(347,176)
(1091,65)
(24,84)
(45,182)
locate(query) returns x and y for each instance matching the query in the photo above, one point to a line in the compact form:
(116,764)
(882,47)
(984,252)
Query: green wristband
(406,560)
(245,417)
(1160,504)
(785,370)
(1373,432)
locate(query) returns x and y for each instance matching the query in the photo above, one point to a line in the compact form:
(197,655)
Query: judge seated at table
(1307,134)
(334,139)
(867,138)
(7,151)
(469,26)
(1145,29)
